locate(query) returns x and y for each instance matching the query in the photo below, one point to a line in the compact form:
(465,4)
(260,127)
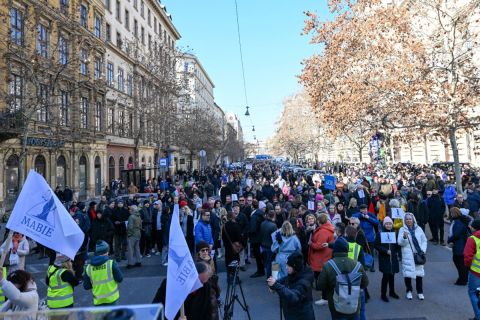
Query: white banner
(39,215)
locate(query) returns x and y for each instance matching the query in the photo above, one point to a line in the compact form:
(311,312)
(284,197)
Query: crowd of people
(302,235)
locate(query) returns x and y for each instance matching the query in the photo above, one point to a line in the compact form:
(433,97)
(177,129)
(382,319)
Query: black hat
(476,224)
(201,245)
(295,260)
(362,206)
(340,246)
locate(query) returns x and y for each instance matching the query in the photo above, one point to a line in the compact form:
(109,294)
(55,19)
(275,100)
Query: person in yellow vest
(2,294)
(102,275)
(355,251)
(60,281)
(471,259)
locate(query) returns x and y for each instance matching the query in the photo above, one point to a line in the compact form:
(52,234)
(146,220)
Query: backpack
(346,296)
(449,195)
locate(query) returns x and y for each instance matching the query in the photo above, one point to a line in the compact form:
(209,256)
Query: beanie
(183,203)
(81,206)
(201,245)
(476,224)
(60,259)
(101,247)
(387,219)
(295,260)
(340,246)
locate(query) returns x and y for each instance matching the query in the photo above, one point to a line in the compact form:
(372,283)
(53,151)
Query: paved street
(443,300)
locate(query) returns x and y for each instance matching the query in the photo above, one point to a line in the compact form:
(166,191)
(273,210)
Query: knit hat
(101,247)
(183,203)
(158,202)
(295,260)
(145,202)
(60,259)
(340,246)
(201,245)
(81,206)
(261,205)
(387,219)
(476,224)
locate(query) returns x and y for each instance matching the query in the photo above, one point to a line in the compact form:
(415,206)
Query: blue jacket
(99,260)
(473,200)
(203,232)
(459,234)
(368,225)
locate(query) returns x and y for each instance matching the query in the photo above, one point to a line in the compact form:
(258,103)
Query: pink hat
(387,219)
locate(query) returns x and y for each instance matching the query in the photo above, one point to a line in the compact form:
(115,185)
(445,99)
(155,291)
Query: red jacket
(469,252)
(318,255)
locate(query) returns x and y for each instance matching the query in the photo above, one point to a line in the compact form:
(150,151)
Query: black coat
(387,263)
(231,233)
(101,229)
(295,293)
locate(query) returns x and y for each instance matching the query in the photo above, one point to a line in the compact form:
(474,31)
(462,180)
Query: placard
(311,205)
(330,182)
(248,166)
(234,197)
(388,237)
(397,213)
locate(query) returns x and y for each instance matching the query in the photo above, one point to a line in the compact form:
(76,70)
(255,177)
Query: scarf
(16,242)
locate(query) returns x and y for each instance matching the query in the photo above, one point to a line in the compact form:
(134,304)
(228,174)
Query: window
(117,11)
(149,17)
(143,35)
(142,9)
(108,32)
(155,24)
(43,40)
(135,4)
(98,68)
(121,80)
(119,40)
(130,85)
(98,116)
(127,20)
(83,16)
(107,5)
(16,92)
(84,113)
(64,108)
(64,6)
(16,26)
(121,119)
(164,35)
(43,102)
(130,125)
(150,42)
(110,74)
(135,28)
(83,61)
(111,120)
(160,30)
(98,26)
(62,49)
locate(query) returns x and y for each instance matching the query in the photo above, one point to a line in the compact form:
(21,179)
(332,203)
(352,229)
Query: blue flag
(182,276)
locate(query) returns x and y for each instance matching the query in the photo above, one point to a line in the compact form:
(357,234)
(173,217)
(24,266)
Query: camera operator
(231,236)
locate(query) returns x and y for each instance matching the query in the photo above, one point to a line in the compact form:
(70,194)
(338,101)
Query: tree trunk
(456,159)
(360,154)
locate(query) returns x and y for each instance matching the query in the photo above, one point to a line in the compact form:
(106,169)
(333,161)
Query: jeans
(120,245)
(361,315)
(473,284)
(267,260)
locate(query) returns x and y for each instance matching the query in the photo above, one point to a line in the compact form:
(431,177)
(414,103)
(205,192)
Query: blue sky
(273,49)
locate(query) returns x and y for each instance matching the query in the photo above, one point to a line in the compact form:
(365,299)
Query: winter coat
(408,267)
(231,233)
(17,300)
(266,229)
(470,251)
(203,232)
(318,255)
(387,263)
(22,251)
(120,215)
(335,219)
(436,208)
(368,225)
(254,231)
(283,250)
(459,233)
(295,292)
(473,200)
(327,280)
(134,226)
(101,229)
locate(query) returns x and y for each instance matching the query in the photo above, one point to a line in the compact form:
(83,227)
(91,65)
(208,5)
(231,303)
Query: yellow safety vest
(354,251)
(59,293)
(2,295)
(104,286)
(475,266)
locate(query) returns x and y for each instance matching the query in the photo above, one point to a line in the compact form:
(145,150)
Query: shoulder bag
(419,257)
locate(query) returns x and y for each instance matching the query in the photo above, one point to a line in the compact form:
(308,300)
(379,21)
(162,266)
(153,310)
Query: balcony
(11,125)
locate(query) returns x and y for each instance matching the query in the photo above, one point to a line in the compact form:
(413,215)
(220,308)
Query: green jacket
(327,279)
(134,226)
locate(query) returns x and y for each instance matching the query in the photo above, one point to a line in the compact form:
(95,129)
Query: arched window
(121,164)
(41,165)
(11,179)
(61,171)
(82,178)
(98,176)
(111,168)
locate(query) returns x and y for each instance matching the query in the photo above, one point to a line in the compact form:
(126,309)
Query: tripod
(231,296)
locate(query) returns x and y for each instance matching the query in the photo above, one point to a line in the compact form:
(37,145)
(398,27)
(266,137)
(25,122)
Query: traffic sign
(202,153)
(163,162)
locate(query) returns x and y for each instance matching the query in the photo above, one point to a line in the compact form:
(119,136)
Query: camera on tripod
(231,296)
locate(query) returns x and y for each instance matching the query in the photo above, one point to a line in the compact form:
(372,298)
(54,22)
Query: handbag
(368,258)
(419,257)
(237,247)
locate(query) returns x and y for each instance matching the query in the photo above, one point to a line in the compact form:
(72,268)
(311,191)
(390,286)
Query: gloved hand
(278,237)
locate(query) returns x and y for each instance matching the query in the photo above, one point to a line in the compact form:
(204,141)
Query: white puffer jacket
(408,267)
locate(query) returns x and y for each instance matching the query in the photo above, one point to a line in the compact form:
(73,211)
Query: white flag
(39,215)
(182,276)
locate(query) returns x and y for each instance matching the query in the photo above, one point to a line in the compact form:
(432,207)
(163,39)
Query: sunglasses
(352,224)
(205,250)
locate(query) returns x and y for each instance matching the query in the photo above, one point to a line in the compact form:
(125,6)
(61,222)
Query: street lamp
(247,113)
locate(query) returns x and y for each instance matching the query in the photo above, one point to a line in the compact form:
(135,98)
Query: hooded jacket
(470,251)
(408,266)
(17,300)
(134,226)
(97,261)
(317,254)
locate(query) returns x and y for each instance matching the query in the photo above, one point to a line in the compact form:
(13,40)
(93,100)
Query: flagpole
(7,246)
(182,311)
